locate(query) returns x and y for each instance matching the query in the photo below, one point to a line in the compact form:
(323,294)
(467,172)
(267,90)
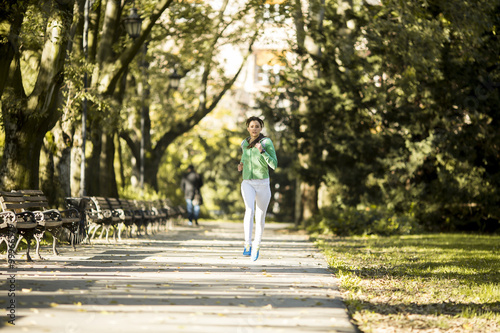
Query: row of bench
(26,214)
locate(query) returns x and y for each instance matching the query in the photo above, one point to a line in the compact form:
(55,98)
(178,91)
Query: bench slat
(11,198)
(10,194)
(32,192)
(9,206)
(35,198)
(34,205)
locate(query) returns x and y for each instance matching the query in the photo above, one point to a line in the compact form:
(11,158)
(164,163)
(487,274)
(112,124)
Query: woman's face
(254,128)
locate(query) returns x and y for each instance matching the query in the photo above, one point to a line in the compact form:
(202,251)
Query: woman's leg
(262,198)
(248,193)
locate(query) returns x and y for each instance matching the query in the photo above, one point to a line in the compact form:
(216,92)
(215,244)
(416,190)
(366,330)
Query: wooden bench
(79,230)
(52,220)
(105,217)
(154,216)
(167,211)
(8,230)
(140,217)
(174,212)
(147,214)
(161,213)
(25,223)
(95,218)
(124,212)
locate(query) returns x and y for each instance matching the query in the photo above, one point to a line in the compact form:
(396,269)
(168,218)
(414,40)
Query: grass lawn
(418,283)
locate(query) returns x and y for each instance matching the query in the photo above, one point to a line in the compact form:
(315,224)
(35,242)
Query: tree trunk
(76,162)
(109,70)
(55,164)
(102,178)
(11,26)
(308,190)
(309,199)
(21,155)
(298,202)
(151,168)
(29,102)
(107,177)
(94,163)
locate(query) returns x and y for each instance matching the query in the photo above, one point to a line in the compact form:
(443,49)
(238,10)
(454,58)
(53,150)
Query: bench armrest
(71,212)
(106,213)
(121,213)
(26,216)
(47,215)
(8,217)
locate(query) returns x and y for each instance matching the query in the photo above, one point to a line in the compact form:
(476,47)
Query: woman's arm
(269,153)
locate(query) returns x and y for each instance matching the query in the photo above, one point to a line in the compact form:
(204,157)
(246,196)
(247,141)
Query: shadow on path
(183,280)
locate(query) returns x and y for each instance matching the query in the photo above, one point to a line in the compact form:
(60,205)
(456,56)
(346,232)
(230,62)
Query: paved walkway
(184,280)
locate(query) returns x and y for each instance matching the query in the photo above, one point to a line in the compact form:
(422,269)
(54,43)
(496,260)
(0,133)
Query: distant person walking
(258,155)
(191,184)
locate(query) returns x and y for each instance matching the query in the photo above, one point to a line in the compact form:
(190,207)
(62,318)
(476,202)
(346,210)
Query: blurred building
(262,68)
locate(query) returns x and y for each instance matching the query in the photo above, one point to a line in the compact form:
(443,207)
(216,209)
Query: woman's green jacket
(255,164)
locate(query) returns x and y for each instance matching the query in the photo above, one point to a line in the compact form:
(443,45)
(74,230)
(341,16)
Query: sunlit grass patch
(443,282)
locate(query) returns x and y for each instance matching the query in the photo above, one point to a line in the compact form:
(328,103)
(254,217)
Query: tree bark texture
(308,191)
(109,71)
(30,99)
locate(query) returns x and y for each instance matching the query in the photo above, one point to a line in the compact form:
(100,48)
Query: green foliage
(189,39)
(147,193)
(213,148)
(371,220)
(400,107)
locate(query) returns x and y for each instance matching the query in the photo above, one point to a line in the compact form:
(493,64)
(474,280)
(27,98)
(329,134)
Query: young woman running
(258,155)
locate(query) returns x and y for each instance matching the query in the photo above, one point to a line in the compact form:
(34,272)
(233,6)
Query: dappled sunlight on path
(183,280)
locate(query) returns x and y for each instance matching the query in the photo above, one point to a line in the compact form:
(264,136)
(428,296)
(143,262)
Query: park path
(182,280)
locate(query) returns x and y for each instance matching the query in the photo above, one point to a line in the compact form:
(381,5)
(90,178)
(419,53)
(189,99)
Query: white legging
(256,196)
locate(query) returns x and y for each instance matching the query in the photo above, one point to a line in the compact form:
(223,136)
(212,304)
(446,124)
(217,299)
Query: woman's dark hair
(253,118)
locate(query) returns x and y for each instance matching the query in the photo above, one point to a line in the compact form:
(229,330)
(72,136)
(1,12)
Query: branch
(206,73)
(131,144)
(9,33)
(230,83)
(121,64)
(185,125)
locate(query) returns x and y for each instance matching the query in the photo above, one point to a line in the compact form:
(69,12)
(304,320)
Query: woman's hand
(240,167)
(259,146)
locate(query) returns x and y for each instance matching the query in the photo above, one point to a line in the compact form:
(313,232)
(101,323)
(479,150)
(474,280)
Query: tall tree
(110,66)
(308,18)
(197,33)
(106,62)
(403,111)
(32,74)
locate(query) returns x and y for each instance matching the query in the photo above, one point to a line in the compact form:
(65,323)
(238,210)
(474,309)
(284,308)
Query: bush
(371,220)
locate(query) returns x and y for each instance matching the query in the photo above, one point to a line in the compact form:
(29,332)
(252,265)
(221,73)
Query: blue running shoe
(255,254)
(247,250)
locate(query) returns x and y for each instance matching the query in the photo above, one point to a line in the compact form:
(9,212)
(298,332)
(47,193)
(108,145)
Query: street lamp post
(84,103)
(133,25)
(144,92)
(175,80)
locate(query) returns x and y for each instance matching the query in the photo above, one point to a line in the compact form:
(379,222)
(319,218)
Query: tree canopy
(390,104)
(401,108)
